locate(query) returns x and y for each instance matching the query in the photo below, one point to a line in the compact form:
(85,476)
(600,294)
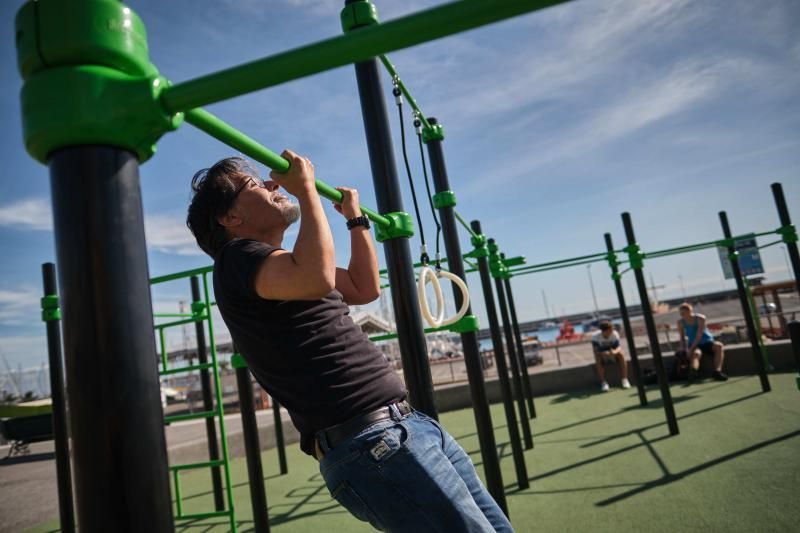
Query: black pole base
(118,444)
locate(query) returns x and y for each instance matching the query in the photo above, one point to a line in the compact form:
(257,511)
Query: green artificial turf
(600,463)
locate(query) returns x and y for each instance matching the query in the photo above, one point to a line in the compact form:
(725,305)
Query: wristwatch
(358,221)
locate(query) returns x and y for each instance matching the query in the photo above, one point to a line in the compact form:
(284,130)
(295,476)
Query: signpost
(749,258)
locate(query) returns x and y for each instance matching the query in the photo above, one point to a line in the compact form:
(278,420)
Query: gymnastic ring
(464,300)
(428,274)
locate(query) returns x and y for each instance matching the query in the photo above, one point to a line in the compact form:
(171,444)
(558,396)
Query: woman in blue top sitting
(692,330)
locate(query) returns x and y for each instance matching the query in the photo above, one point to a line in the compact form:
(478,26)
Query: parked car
(767,308)
(530,349)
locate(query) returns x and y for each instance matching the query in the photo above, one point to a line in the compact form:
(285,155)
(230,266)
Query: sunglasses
(258,182)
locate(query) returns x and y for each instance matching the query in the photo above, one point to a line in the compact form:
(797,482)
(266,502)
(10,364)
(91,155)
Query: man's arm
(308,272)
(681,335)
(360,282)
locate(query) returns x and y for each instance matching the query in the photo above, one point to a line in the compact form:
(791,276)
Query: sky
(555,122)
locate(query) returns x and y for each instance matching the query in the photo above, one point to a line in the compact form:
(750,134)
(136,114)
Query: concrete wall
(738,362)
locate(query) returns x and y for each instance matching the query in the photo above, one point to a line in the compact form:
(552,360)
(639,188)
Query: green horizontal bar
(464,223)
(683,249)
(222,131)
(413,103)
(773,243)
(173,315)
(180,275)
(565,263)
(353,47)
(388,336)
(202,516)
(174,323)
(195,466)
(190,416)
(192,368)
(522,271)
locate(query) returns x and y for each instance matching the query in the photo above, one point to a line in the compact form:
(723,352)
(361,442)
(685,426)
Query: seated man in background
(692,326)
(606,344)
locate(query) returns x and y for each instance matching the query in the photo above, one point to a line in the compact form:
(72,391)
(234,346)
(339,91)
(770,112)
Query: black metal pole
(783,216)
(59,410)
(516,378)
(208,401)
(652,334)
(749,320)
(116,419)
(252,450)
(526,378)
(411,335)
(626,324)
(794,335)
(469,340)
(502,369)
(279,442)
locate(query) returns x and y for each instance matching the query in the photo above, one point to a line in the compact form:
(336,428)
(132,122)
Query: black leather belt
(336,434)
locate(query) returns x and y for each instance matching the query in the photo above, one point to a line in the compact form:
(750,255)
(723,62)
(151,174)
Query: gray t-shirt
(309,355)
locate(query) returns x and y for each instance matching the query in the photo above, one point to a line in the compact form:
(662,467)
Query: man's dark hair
(213,193)
(606,325)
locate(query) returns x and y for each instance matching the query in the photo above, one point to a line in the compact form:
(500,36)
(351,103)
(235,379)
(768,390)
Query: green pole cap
(88,79)
(358,13)
(444,199)
(53,33)
(237,361)
(402,226)
(616,276)
(433,133)
(50,308)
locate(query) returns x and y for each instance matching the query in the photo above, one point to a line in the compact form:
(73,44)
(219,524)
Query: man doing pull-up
(287,312)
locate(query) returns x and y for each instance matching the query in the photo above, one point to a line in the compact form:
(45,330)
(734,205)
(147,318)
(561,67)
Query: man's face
(685,313)
(261,206)
(607,332)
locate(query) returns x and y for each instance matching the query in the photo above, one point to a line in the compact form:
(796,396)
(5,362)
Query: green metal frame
(466,324)
(201,312)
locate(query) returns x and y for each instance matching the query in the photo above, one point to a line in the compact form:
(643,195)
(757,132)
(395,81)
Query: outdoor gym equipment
(93,112)
(426,274)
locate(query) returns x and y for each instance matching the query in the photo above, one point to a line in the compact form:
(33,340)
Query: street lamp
(591,284)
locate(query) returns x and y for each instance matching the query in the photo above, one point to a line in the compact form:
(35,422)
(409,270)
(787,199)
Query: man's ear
(229,220)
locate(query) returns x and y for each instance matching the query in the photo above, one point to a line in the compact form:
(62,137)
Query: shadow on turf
(667,476)
(652,404)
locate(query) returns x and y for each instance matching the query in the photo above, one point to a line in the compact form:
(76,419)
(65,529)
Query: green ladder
(201,311)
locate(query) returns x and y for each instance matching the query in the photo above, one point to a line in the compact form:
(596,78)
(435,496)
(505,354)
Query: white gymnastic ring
(428,274)
(464,300)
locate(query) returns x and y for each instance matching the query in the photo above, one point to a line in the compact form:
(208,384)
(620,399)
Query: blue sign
(749,258)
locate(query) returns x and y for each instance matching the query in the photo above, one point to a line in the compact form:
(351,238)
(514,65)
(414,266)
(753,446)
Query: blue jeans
(409,474)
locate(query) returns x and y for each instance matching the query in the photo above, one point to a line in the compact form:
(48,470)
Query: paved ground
(601,463)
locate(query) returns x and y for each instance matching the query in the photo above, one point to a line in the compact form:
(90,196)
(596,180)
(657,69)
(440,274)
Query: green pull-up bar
(366,43)
(234,138)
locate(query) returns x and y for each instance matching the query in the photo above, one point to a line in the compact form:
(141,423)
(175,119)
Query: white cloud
(169,234)
(165,233)
(27,213)
(18,306)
